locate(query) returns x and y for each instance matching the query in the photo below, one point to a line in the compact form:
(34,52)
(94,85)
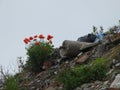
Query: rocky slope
(107,48)
(45,79)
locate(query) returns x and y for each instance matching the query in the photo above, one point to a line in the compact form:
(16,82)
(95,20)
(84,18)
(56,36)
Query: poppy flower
(50,41)
(30,38)
(26,41)
(49,37)
(41,36)
(37,43)
(35,36)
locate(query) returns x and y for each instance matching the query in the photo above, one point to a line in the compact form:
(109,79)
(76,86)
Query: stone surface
(116,83)
(97,85)
(45,79)
(83,58)
(50,88)
(72,48)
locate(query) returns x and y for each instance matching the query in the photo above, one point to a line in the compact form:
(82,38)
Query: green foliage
(113,54)
(11,83)
(83,74)
(68,78)
(99,69)
(37,54)
(94,29)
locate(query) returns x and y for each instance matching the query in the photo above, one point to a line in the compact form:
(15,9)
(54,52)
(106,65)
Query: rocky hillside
(76,65)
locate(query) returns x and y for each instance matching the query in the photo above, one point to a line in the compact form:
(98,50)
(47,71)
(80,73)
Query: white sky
(64,19)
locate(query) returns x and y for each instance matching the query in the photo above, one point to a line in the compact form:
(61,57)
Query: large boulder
(73,48)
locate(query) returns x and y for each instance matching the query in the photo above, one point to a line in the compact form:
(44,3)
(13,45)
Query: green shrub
(11,83)
(99,69)
(68,78)
(83,74)
(38,52)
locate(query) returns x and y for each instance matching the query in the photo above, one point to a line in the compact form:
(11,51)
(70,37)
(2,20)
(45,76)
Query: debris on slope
(73,53)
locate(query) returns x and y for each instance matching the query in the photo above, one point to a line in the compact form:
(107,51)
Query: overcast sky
(64,19)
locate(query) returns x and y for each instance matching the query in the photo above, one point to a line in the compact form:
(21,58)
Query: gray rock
(117,65)
(73,48)
(37,89)
(78,88)
(32,88)
(116,83)
(88,88)
(87,85)
(1,88)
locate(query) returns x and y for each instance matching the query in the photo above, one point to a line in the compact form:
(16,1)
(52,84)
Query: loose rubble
(72,53)
(45,79)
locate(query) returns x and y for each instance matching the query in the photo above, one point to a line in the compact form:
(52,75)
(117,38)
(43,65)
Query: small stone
(66,62)
(32,88)
(88,88)
(78,88)
(38,81)
(117,65)
(116,83)
(83,58)
(50,88)
(106,82)
(55,72)
(31,83)
(37,89)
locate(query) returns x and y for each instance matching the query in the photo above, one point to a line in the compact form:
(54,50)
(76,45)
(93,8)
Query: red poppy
(49,37)
(35,36)
(26,40)
(41,36)
(50,41)
(37,43)
(30,38)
